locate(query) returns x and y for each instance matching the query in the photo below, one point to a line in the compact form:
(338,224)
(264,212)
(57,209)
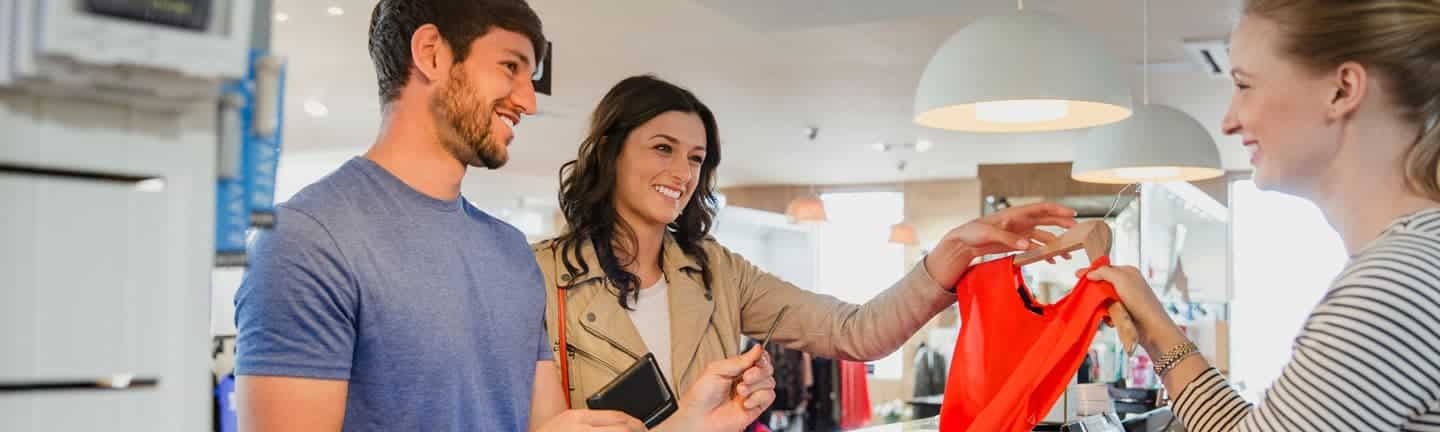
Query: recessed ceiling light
(335,11)
(316,109)
(282,17)
(879,147)
(923,145)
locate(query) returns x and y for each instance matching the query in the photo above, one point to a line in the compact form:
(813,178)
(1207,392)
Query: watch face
(188,14)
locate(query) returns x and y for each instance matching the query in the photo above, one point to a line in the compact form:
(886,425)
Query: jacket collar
(674,261)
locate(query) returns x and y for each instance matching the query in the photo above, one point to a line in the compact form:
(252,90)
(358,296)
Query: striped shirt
(1368,357)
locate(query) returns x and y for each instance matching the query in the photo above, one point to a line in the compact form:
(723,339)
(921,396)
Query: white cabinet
(103,272)
(84,277)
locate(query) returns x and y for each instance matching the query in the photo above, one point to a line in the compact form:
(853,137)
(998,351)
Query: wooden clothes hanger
(1095,238)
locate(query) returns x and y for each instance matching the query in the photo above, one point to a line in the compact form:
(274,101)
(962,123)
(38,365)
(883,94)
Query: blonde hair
(1399,39)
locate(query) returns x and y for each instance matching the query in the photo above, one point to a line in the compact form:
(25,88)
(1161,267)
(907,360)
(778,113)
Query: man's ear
(430,53)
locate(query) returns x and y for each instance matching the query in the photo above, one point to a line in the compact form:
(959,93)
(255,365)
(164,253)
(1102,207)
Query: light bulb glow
(1021,111)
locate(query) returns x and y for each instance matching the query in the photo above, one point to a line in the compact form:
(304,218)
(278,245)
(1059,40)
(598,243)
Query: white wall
(766,240)
(792,257)
(857,261)
(1286,255)
(742,237)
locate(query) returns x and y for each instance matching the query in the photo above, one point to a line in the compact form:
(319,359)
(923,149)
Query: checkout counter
(1158,420)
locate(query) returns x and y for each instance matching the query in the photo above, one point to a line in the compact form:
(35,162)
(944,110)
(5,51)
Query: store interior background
(846,68)
(815,97)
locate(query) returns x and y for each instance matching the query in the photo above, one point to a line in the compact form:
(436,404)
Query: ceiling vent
(1213,56)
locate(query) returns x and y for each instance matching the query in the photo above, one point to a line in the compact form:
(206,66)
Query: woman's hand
(1156,330)
(1158,333)
(1009,230)
(729,395)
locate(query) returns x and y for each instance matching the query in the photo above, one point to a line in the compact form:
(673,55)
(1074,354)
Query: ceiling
(769,69)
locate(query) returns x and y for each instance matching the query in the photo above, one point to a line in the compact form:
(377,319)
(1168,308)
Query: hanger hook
(1116,201)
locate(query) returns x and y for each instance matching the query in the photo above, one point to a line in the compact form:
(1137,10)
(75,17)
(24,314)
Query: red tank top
(1015,357)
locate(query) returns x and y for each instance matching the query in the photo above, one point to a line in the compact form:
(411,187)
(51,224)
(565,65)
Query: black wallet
(640,391)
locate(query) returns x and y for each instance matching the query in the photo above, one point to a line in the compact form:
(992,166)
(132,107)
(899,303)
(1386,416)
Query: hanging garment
(854,395)
(1014,357)
(929,372)
(822,411)
(789,375)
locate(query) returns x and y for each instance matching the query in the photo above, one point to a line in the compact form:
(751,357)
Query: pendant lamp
(1025,72)
(808,209)
(903,233)
(1157,144)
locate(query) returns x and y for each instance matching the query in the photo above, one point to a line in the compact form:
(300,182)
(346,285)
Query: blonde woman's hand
(1157,332)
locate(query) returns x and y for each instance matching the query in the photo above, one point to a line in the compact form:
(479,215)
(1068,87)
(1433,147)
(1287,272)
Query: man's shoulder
(332,194)
(342,200)
(502,235)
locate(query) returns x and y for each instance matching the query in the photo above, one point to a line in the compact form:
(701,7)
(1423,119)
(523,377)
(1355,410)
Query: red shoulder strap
(564,346)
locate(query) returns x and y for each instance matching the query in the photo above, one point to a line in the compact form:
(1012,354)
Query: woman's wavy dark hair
(587,184)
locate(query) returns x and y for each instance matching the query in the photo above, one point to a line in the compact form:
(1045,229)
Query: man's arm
(548,399)
(283,404)
(295,320)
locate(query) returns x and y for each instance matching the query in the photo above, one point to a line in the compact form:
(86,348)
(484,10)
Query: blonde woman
(1337,101)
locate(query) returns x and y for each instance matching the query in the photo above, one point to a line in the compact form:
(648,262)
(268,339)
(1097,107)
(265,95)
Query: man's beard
(464,123)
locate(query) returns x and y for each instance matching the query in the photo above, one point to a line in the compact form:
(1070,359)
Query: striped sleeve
(1366,359)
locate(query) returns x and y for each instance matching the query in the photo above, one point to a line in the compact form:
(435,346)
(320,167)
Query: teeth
(1252,148)
(507,121)
(672,193)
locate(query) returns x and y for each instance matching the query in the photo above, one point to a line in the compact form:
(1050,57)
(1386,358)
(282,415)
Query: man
(384,301)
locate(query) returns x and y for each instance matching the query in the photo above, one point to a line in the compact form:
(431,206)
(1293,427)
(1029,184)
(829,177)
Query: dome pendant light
(903,233)
(808,209)
(1157,144)
(1024,72)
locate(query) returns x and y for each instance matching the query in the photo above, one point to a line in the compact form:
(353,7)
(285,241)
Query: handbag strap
(564,346)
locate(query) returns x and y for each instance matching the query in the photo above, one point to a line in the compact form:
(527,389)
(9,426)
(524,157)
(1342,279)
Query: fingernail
(1022,244)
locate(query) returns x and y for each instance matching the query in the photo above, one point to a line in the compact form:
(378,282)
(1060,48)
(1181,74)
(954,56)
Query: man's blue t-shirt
(431,309)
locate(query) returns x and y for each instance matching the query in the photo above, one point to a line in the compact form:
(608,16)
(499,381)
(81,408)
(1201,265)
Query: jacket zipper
(594,358)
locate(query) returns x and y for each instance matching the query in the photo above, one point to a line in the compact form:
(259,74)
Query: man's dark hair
(393,23)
